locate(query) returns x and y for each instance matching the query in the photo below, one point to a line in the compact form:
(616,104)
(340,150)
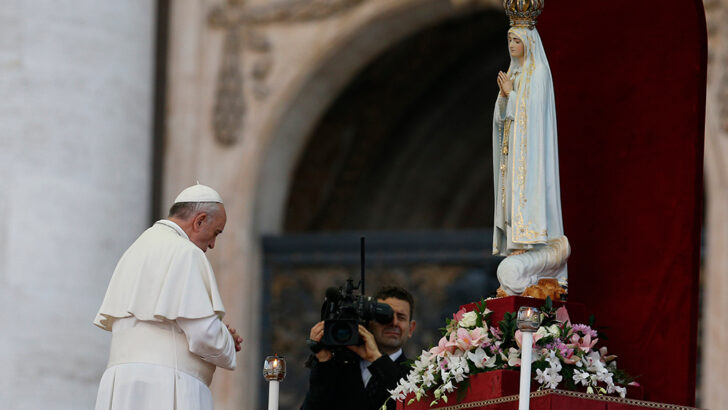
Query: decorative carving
(227,119)
(240,24)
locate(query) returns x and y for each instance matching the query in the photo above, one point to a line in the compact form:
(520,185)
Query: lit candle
(274,370)
(529,319)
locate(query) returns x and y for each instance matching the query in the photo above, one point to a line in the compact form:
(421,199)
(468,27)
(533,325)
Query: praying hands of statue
(505,84)
(236,338)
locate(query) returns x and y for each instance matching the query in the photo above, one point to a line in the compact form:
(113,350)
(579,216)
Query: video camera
(343,312)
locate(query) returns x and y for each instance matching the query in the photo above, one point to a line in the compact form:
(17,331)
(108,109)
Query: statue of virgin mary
(528,228)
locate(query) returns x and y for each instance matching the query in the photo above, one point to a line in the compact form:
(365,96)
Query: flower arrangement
(564,355)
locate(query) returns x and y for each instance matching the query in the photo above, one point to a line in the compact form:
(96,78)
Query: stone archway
(287,132)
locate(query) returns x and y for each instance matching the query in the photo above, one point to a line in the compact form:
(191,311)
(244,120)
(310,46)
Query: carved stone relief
(243,32)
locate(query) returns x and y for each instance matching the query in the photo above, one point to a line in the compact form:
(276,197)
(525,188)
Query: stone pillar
(714,366)
(75,171)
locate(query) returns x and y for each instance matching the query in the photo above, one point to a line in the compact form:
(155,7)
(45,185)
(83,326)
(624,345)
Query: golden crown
(523,13)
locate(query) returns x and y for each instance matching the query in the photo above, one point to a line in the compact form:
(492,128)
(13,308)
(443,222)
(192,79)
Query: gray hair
(184,210)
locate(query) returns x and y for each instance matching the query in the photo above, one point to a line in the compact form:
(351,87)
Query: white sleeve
(510,109)
(210,339)
(501,104)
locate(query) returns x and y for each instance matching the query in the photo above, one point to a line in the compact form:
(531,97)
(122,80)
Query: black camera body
(343,312)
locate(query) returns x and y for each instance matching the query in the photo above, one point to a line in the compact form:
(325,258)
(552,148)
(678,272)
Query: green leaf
(462,390)
(508,327)
(548,305)
(567,372)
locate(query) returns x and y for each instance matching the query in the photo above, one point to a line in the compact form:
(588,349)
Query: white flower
(514,357)
(554,330)
(554,361)
(423,361)
(428,379)
(398,394)
(621,390)
(581,377)
(458,368)
(481,359)
(541,332)
(414,377)
(469,319)
(548,378)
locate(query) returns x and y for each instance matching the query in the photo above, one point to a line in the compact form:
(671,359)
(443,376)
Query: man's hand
(236,338)
(317,332)
(369,351)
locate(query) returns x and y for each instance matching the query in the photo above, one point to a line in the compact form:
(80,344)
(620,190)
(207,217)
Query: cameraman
(362,381)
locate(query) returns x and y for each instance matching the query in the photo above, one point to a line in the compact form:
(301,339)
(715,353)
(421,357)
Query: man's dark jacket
(337,385)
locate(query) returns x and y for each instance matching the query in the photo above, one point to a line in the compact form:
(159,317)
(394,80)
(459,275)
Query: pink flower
(568,355)
(519,338)
(606,358)
(584,343)
(467,340)
(442,347)
(562,315)
(584,330)
(459,315)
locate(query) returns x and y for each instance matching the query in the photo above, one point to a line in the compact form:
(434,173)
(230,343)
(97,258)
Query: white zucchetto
(198,193)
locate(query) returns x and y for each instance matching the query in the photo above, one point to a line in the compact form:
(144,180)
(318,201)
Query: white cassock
(164,311)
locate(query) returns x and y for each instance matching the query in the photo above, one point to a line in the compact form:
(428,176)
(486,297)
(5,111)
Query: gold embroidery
(523,231)
(506,133)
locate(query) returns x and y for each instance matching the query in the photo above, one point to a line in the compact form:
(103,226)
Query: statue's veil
(534,158)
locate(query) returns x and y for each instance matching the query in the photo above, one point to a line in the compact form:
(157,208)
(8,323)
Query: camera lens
(341,333)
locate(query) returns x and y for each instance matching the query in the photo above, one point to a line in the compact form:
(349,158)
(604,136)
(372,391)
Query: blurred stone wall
(75,164)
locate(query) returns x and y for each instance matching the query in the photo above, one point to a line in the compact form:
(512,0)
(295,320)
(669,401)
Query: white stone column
(714,363)
(75,169)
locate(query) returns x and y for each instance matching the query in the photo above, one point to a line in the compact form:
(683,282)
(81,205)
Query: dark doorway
(408,144)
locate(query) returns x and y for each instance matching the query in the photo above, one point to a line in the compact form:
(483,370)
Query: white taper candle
(524,392)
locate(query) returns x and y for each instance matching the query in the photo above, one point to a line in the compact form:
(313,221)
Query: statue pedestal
(498,390)
(499,306)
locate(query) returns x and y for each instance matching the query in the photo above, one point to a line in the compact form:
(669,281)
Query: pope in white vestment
(164,310)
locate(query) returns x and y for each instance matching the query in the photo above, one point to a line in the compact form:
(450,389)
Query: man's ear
(413,324)
(199,220)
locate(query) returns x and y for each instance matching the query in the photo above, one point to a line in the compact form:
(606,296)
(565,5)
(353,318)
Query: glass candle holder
(529,319)
(274,368)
